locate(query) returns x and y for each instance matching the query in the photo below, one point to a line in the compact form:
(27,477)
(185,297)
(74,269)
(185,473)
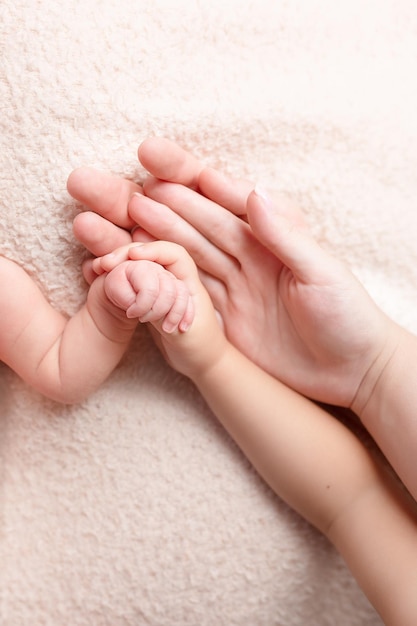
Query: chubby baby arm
(63,358)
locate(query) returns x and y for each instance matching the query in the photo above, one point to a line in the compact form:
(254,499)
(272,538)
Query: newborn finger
(157,296)
(118,288)
(181,314)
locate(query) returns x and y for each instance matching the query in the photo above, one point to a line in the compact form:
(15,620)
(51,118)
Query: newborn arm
(64,359)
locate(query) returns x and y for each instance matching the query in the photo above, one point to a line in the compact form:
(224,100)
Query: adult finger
(230,193)
(99,235)
(103,193)
(233,195)
(166,160)
(139,235)
(165,224)
(289,241)
(220,227)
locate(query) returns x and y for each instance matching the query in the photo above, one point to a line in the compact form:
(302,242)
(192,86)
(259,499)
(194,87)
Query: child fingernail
(184,326)
(168,327)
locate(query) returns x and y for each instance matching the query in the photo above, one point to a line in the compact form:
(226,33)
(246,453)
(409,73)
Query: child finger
(170,255)
(88,271)
(111,260)
(188,316)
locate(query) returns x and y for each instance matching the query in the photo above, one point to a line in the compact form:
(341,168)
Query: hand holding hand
(284,301)
(158,283)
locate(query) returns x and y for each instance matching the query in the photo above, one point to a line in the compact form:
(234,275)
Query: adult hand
(284,301)
(107,225)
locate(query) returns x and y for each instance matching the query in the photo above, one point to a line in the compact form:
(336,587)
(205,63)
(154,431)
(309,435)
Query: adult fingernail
(262,193)
(135,194)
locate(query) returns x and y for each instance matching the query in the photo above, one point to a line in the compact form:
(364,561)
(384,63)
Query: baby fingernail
(168,327)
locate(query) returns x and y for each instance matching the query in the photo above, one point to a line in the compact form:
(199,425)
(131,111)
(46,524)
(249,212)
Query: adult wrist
(387,410)
(376,383)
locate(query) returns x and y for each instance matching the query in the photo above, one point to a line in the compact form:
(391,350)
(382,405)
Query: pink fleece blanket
(135,507)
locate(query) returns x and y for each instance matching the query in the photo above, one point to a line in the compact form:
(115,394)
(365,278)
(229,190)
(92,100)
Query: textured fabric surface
(135,507)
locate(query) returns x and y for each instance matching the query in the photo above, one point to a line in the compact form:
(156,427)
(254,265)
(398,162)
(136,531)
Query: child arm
(309,458)
(323,471)
(283,298)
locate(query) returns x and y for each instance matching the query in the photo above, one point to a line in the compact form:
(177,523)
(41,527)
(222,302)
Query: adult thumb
(286,237)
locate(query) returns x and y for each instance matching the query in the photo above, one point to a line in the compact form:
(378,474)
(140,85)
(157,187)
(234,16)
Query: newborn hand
(146,291)
(158,282)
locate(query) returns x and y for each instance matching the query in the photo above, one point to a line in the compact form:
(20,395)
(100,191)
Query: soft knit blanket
(135,507)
